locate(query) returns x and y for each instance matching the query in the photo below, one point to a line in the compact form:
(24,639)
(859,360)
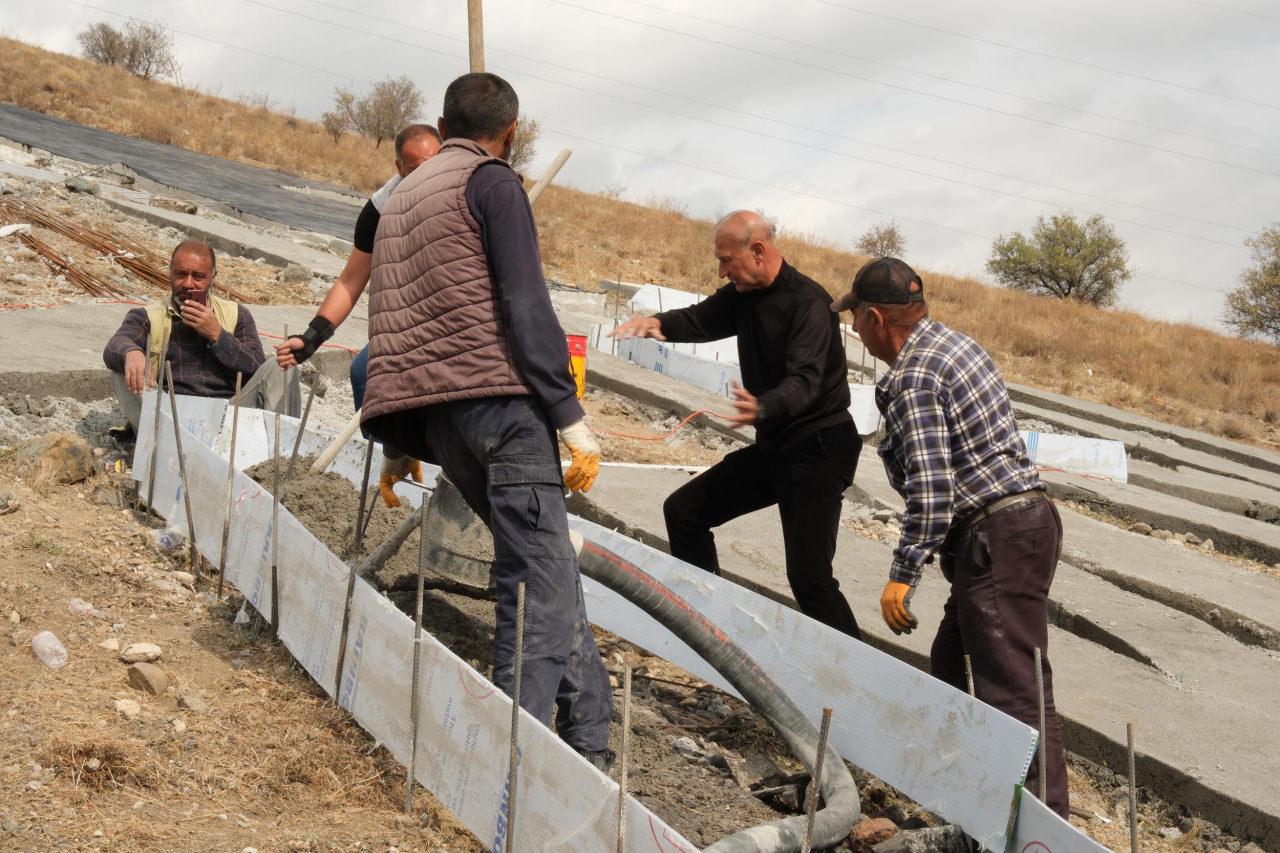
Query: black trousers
(1000,570)
(807,482)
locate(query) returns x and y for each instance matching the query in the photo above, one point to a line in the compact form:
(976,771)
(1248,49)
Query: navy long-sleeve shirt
(499,204)
(789,349)
(200,368)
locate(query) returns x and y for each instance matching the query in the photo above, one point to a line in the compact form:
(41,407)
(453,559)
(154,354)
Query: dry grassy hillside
(1174,372)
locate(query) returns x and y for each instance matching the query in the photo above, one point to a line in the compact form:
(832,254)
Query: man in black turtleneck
(795,394)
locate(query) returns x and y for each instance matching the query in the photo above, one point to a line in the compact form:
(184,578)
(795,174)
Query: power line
(755,133)
(1044,55)
(915,91)
(1233,11)
(945,79)
(223,43)
(588,140)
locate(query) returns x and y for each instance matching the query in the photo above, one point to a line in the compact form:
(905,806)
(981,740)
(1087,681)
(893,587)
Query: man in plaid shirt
(953,451)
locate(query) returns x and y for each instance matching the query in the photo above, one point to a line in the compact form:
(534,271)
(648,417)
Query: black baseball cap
(886,281)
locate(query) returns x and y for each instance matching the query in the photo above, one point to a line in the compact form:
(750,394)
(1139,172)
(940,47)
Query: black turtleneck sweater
(789,349)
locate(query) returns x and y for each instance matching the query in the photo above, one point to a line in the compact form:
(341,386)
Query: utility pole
(475,33)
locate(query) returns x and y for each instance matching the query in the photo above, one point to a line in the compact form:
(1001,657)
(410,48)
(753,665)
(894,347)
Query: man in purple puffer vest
(468,369)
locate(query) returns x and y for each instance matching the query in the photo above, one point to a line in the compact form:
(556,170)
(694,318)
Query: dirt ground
(633,432)
(270,764)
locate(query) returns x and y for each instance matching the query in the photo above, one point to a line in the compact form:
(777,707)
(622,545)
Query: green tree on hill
(1253,308)
(1064,257)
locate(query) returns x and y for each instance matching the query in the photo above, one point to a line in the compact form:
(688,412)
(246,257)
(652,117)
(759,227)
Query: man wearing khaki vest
(207,339)
(468,368)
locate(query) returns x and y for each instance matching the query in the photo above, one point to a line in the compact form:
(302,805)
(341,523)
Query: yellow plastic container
(578,361)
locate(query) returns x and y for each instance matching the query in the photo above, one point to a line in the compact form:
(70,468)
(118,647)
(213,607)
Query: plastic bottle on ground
(49,650)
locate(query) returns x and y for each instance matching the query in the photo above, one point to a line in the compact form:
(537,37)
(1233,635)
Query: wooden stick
(275,529)
(622,760)
(549,175)
(1040,747)
(475,39)
(417,665)
(811,802)
(182,472)
(512,759)
(327,455)
(968,674)
(1133,793)
(231,479)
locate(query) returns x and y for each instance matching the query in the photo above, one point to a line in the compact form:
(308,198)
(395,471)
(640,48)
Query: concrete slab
(1162,450)
(233,238)
(1231,533)
(1100,413)
(1215,490)
(1242,603)
(1224,776)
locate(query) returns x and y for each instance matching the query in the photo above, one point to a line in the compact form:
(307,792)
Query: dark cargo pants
(501,454)
(1000,570)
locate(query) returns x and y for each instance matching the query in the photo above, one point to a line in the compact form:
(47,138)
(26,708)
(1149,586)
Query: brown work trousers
(1000,570)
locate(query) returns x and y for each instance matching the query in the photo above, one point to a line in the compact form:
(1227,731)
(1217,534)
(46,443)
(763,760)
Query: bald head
(746,226)
(746,251)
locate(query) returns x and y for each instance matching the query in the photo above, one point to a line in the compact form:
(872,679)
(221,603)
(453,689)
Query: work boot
(602,760)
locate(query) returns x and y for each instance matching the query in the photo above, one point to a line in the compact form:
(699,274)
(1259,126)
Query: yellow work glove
(585,455)
(395,469)
(895,607)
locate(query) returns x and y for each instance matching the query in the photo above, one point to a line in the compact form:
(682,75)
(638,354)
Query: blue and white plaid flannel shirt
(951,444)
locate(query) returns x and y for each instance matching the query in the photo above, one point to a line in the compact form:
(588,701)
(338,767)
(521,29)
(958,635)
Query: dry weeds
(1175,372)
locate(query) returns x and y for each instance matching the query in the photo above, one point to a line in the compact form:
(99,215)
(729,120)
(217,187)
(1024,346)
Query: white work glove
(585,454)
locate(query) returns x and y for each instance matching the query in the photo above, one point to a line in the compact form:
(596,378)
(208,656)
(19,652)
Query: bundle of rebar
(138,260)
(87,281)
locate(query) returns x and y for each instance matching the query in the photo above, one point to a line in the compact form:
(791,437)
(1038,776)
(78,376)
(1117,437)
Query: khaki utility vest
(161,320)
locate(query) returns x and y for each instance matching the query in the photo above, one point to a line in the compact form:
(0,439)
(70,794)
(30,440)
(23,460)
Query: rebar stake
(415,680)
(622,760)
(297,441)
(968,674)
(231,479)
(364,497)
(811,801)
(182,472)
(1133,793)
(155,434)
(351,587)
(275,529)
(1040,746)
(512,759)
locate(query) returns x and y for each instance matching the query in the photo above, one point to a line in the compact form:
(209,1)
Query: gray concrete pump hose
(841,810)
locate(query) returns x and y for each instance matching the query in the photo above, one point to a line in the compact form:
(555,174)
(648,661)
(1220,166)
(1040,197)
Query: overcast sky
(961,121)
